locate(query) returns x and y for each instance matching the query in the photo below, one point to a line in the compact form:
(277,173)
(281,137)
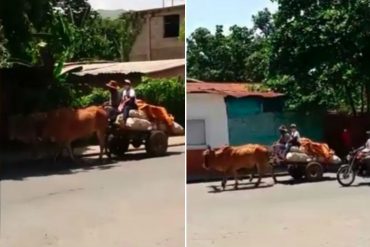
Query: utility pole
(163,3)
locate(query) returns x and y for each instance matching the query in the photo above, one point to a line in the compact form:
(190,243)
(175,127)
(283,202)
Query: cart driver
(114,100)
(283,141)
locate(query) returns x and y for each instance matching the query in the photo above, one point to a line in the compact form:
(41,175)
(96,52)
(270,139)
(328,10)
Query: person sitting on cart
(283,141)
(128,101)
(294,138)
(114,100)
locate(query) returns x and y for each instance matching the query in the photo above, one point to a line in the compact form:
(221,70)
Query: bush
(169,93)
(97,97)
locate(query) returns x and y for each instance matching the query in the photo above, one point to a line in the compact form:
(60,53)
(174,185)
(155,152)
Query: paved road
(289,215)
(138,202)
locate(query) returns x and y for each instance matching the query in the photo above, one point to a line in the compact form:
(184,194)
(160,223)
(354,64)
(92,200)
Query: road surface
(137,202)
(321,214)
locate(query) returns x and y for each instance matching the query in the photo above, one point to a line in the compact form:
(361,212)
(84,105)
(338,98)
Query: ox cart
(139,130)
(301,165)
(119,140)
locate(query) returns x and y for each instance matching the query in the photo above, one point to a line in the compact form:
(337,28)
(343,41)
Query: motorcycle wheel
(346,176)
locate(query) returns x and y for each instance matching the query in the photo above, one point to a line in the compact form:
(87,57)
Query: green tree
(319,52)
(4,54)
(218,57)
(20,19)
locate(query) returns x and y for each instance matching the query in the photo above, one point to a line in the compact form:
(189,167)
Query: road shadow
(64,166)
(292,181)
(241,187)
(358,185)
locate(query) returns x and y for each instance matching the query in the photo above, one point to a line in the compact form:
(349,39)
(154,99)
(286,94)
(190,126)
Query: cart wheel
(296,172)
(314,171)
(118,145)
(136,143)
(157,143)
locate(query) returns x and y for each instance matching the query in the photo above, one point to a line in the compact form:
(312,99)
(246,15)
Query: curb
(130,150)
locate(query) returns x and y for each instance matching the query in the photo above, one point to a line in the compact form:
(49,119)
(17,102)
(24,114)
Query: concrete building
(159,36)
(214,111)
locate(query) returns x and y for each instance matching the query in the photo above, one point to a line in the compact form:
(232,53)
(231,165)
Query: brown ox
(229,160)
(65,125)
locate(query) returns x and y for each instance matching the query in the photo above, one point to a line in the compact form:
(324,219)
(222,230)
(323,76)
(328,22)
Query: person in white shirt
(294,134)
(294,138)
(128,101)
(366,147)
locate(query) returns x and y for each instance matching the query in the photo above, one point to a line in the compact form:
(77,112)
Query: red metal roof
(237,90)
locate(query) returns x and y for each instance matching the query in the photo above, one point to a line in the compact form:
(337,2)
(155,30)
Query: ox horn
(209,147)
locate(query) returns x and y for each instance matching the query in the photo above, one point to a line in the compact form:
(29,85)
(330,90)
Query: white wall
(212,109)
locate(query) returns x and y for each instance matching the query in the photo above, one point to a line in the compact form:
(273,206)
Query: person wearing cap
(128,101)
(114,100)
(294,135)
(283,141)
(294,138)
(115,97)
(284,136)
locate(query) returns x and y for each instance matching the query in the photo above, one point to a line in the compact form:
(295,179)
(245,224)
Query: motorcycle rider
(367,144)
(365,155)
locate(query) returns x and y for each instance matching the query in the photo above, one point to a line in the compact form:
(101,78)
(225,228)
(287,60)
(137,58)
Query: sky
(209,13)
(131,4)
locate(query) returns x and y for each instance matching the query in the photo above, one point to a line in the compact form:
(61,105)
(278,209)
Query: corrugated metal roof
(237,90)
(143,67)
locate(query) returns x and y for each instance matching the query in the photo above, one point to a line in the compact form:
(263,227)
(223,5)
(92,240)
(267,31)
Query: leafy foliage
(4,54)
(97,97)
(322,46)
(50,33)
(217,56)
(316,52)
(70,28)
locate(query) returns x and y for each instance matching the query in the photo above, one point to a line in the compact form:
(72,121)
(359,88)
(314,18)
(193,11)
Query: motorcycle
(358,165)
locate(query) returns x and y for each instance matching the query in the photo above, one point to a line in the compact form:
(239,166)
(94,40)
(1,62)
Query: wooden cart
(119,140)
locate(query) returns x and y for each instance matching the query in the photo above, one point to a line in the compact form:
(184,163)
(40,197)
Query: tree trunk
(362,99)
(350,100)
(367,89)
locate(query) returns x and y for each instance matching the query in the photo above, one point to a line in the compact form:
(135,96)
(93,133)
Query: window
(171,26)
(195,132)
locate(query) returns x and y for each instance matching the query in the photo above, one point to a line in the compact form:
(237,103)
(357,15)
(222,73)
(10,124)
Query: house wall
(256,120)
(240,107)
(150,44)
(262,128)
(212,109)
